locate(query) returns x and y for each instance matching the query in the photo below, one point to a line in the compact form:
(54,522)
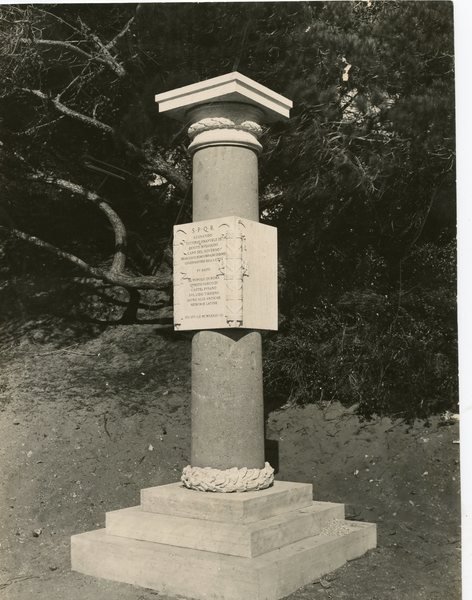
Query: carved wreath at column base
(207,479)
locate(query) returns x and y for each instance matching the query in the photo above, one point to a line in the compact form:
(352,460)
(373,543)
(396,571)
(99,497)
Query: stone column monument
(224,117)
(227,530)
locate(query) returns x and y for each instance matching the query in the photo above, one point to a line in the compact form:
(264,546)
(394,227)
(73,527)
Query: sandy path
(83,430)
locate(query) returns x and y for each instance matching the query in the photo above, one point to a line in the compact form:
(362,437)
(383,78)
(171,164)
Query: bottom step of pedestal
(212,576)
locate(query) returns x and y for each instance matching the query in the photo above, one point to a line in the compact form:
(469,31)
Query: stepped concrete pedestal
(259,545)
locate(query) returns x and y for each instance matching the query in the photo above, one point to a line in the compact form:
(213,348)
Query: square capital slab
(232,87)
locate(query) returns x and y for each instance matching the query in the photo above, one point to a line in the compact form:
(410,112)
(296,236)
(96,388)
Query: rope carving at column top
(210,123)
(207,479)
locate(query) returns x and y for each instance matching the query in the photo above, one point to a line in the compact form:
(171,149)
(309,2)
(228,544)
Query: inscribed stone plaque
(225,274)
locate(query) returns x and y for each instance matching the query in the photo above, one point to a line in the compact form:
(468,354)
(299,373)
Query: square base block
(246,507)
(237,539)
(212,576)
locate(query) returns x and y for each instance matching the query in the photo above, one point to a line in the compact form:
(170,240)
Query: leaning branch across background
(155,282)
(155,163)
(115,274)
(119,229)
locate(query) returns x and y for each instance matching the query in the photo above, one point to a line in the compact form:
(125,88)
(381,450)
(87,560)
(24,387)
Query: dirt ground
(85,425)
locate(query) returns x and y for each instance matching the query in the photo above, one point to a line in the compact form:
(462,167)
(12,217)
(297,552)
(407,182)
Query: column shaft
(227,407)
(227,396)
(225,183)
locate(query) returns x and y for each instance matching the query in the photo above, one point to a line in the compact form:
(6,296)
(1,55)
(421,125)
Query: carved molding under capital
(207,479)
(212,123)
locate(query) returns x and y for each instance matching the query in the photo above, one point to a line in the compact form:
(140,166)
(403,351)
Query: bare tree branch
(81,77)
(119,229)
(65,110)
(119,259)
(106,56)
(36,128)
(114,275)
(50,14)
(108,62)
(148,283)
(112,43)
(156,163)
(61,44)
(160,166)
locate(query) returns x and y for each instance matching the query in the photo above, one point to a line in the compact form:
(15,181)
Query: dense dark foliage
(360,181)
